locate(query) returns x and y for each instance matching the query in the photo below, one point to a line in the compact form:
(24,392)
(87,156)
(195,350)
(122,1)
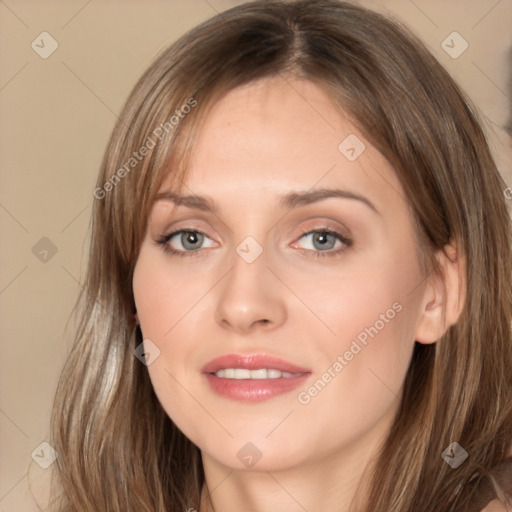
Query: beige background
(56,116)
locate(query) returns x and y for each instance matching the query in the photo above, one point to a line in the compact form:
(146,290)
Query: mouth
(254,377)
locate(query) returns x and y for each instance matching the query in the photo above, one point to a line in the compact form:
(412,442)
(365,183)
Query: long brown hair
(118,450)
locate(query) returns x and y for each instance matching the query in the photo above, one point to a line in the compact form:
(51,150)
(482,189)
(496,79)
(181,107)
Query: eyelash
(164,239)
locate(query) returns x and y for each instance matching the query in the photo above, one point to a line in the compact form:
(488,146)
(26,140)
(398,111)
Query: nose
(250,297)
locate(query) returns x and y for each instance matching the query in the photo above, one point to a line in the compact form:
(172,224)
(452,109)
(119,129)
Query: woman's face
(301,249)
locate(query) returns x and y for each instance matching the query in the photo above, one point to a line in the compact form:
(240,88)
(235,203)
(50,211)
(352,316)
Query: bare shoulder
(495,506)
(41,486)
(498,487)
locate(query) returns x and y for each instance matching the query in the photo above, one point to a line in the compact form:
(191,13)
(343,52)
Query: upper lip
(252,362)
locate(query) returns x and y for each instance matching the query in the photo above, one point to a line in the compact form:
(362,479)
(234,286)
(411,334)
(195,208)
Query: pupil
(190,238)
(322,238)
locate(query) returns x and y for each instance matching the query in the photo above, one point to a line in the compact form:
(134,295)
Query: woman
(298,293)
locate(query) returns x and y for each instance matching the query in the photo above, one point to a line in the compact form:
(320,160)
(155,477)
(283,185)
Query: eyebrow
(290,200)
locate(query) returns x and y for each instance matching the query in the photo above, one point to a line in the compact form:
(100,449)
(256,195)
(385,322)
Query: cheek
(371,314)
(170,308)
(359,381)
(365,295)
(164,293)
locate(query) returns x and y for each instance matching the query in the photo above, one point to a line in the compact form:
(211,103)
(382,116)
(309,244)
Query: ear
(444,296)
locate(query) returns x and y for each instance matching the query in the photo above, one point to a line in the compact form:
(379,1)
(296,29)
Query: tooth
(259,374)
(242,373)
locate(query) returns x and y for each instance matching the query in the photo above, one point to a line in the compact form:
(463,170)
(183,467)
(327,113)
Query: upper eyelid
(339,227)
(304,231)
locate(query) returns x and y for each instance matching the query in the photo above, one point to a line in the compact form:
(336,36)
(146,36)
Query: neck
(337,481)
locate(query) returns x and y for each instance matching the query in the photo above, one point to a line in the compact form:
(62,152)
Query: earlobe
(444,296)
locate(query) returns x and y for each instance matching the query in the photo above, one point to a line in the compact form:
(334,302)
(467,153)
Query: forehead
(282,134)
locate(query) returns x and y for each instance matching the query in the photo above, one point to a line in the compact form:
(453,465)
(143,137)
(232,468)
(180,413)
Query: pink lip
(252,362)
(253,390)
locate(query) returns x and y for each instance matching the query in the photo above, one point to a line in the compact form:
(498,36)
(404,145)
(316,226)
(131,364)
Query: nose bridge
(248,295)
(250,255)
(250,263)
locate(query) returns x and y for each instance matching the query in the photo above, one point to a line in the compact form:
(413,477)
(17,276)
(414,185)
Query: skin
(495,506)
(261,141)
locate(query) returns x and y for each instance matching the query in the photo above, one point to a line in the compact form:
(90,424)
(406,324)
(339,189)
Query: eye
(323,240)
(185,241)
(188,242)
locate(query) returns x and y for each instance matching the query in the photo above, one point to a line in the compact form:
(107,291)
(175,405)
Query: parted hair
(118,449)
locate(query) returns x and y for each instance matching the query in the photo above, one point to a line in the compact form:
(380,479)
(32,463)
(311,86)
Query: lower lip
(254,390)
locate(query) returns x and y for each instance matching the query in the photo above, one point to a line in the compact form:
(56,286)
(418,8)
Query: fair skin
(260,142)
(495,506)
